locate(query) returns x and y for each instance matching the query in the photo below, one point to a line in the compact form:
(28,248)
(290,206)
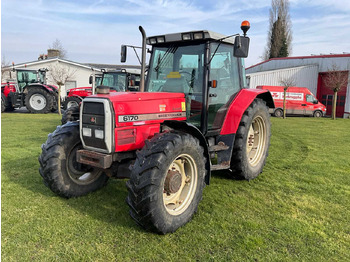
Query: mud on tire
(252,141)
(59,168)
(166,182)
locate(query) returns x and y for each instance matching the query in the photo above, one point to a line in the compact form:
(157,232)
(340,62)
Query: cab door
(224,68)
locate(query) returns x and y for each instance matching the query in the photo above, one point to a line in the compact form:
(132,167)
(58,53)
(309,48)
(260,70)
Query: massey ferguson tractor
(193,115)
(30,90)
(123,80)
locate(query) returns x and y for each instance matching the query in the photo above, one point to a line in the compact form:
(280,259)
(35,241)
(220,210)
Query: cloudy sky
(93,30)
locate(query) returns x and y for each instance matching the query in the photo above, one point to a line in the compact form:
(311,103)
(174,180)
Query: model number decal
(129,118)
(145,117)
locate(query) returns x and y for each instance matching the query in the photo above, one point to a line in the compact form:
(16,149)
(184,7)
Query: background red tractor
(123,80)
(192,116)
(31,90)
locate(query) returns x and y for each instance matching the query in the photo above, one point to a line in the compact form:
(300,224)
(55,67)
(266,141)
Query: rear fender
(239,105)
(194,131)
(47,88)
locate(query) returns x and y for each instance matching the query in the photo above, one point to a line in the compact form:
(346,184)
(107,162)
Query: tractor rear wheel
(166,182)
(252,141)
(59,168)
(71,114)
(71,101)
(38,101)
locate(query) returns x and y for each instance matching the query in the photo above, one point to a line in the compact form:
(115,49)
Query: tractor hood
(139,96)
(132,108)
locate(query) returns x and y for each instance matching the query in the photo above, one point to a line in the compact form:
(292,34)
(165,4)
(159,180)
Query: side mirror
(315,101)
(123,54)
(90,80)
(241,47)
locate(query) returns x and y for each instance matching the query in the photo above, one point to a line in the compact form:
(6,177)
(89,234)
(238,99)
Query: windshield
(116,81)
(179,69)
(26,77)
(176,69)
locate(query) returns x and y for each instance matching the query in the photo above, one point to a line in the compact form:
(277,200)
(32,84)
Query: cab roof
(188,37)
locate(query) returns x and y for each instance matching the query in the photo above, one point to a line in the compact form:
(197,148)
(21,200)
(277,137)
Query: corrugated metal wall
(302,76)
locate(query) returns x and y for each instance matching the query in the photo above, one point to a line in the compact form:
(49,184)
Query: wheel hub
(172,182)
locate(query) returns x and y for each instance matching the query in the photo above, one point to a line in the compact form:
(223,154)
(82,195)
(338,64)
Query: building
(305,71)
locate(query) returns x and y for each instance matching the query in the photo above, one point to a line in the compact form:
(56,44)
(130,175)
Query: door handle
(213,95)
(304,104)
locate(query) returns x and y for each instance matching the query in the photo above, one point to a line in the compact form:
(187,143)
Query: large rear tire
(71,114)
(38,101)
(252,141)
(59,168)
(166,182)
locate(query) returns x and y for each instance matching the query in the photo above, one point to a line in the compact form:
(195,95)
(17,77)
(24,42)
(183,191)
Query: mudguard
(239,105)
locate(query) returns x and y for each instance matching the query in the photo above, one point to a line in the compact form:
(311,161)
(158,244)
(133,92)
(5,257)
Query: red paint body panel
(236,110)
(7,88)
(153,107)
(296,103)
(80,91)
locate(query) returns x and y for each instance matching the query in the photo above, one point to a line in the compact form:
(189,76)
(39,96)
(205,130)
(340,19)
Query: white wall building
(306,71)
(80,78)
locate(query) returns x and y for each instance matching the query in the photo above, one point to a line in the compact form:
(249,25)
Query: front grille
(96,119)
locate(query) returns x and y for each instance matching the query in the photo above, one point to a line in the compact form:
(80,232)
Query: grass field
(297,210)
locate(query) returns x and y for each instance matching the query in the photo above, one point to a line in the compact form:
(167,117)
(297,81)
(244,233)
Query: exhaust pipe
(143,60)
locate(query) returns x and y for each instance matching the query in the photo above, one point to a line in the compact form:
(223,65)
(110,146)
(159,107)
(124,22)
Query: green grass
(297,210)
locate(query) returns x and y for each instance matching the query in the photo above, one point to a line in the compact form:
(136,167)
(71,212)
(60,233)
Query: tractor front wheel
(59,168)
(252,141)
(71,101)
(38,101)
(71,114)
(166,182)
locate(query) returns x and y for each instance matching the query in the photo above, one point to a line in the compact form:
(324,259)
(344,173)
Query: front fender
(239,105)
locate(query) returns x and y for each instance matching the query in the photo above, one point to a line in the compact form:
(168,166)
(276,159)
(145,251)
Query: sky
(92,31)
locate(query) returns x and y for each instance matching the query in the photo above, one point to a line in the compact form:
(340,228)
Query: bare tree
(4,66)
(58,46)
(280,30)
(286,83)
(335,80)
(60,74)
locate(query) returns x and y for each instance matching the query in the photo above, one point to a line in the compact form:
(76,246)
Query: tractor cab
(205,66)
(121,80)
(28,76)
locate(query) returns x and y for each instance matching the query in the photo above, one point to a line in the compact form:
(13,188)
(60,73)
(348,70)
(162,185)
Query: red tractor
(30,90)
(192,116)
(118,80)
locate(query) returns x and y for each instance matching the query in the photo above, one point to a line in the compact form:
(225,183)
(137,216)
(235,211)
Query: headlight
(86,131)
(99,134)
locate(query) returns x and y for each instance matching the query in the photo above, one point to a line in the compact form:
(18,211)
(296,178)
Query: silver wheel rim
(37,102)
(256,141)
(177,202)
(72,103)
